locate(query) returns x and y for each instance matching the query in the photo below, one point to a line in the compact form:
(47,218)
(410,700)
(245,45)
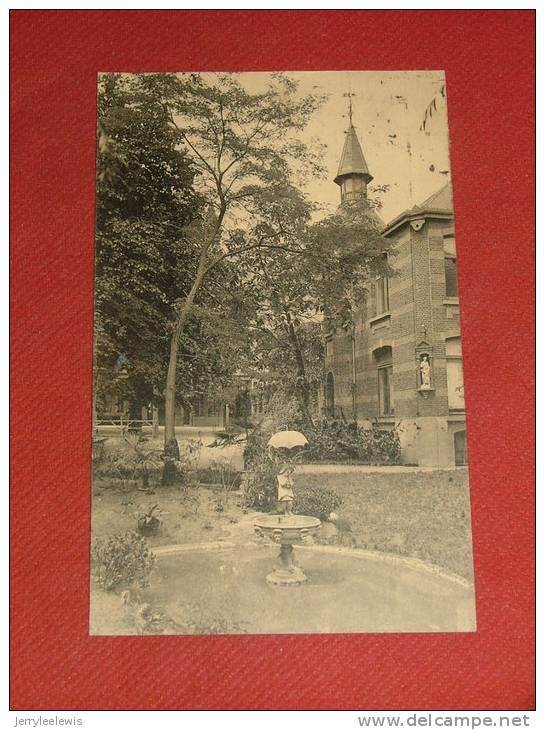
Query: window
(385,391)
(455,374)
(460,448)
(352,188)
(383,359)
(382,293)
(451,273)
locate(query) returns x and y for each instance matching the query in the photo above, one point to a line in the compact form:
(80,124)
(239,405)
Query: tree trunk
(171,456)
(170,388)
(302,387)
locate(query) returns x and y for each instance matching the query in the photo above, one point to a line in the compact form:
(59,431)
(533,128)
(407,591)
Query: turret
(353,174)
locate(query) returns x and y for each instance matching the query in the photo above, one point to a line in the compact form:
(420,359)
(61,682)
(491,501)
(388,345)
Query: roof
(442,198)
(438,205)
(352,159)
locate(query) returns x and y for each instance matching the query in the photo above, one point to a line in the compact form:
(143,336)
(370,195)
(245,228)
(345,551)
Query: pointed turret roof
(352,159)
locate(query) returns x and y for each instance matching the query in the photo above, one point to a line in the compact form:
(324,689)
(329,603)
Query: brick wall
(418,312)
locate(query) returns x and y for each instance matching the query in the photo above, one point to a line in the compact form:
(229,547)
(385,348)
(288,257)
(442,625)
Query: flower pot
(149,526)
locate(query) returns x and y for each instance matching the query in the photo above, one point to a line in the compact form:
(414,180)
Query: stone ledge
(379,320)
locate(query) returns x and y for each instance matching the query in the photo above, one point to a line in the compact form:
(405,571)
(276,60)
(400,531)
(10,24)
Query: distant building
(401,364)
(242,403)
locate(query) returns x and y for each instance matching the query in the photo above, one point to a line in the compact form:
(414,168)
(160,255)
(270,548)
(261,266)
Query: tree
(142,171)
(145,198)
(318,270)
(245,149)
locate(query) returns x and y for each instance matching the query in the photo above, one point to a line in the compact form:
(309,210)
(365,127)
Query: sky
(388,110)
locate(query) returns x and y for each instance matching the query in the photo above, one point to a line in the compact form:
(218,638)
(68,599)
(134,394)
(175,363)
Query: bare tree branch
(253,246)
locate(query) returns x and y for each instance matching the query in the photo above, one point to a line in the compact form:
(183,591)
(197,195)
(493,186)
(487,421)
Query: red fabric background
(489,59)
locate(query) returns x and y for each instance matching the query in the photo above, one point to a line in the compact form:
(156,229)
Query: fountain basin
(287,529)
(348,591)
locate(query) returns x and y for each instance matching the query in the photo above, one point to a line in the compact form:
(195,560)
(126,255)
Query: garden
(137,521)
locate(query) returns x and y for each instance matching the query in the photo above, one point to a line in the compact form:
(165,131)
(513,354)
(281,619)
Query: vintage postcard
(279,435)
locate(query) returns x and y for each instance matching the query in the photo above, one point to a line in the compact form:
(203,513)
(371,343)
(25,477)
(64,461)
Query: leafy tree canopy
(148,222)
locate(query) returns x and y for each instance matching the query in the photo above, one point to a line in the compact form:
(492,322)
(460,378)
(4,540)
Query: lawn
(420,514)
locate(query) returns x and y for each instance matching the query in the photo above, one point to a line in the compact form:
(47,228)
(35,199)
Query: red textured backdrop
(489,60)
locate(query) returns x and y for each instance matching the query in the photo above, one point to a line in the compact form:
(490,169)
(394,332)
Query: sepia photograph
(279,428)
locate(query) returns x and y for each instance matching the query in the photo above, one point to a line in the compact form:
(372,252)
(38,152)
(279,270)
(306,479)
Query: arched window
(384,363)
(455,374)
(330,395)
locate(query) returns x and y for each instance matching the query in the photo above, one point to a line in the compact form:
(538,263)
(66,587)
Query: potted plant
(148,523)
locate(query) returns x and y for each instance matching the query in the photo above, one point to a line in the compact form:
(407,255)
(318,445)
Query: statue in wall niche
(425,372)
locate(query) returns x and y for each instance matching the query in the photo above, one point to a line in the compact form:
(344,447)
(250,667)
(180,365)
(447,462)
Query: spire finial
(349,96)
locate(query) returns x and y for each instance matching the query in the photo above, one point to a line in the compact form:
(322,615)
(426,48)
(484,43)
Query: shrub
(260,489)
(133,459)
(225,476)
(335,440)
(255,450)
(109,468)
(316,501)
(331,440)
(383,447)
(122,560)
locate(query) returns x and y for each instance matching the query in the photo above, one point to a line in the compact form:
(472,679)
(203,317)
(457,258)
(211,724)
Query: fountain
(286,530)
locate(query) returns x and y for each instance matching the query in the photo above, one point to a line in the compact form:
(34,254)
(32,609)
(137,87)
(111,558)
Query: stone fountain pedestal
(287,530)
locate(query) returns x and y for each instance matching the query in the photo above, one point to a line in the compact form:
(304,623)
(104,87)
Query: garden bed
(188,514)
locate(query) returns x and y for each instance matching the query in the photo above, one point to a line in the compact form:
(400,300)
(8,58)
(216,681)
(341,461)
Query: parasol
(287,440)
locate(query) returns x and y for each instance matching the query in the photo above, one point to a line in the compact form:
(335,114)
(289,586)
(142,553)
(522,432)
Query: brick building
(401,363)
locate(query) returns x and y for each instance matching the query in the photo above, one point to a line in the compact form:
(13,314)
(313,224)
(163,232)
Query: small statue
(425,372)
(285,488)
